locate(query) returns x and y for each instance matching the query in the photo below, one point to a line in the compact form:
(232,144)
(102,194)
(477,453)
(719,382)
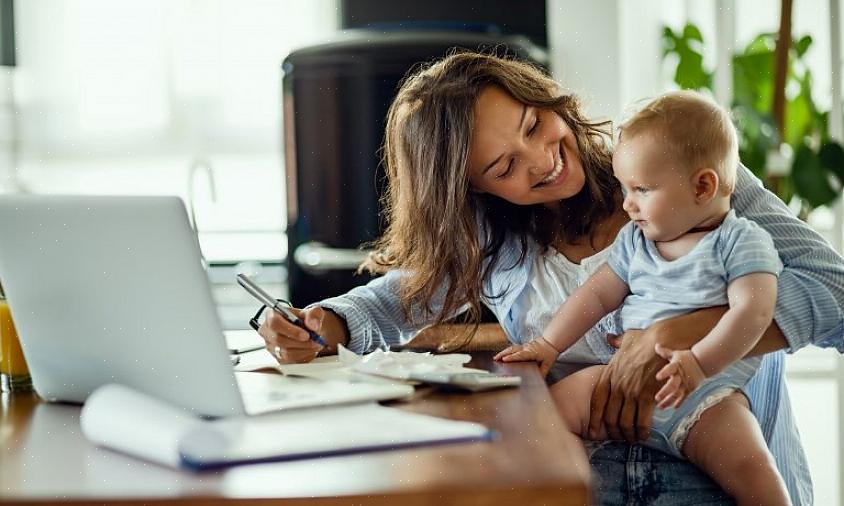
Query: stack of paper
(131,422)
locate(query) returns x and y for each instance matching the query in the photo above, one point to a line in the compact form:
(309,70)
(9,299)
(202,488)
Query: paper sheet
(321,432)
(126,420)
(379,366)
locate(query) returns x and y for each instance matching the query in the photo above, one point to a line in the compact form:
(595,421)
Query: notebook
(107,289)
(130,422)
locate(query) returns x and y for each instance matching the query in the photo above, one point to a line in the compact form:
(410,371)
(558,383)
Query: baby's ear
(706,183)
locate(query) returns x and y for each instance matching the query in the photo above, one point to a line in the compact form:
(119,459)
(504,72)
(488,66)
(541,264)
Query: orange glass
(13,367)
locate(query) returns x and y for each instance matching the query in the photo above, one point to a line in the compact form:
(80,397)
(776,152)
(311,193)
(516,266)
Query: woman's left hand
(623,399)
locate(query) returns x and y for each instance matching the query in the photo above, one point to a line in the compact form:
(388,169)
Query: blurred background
(265,116)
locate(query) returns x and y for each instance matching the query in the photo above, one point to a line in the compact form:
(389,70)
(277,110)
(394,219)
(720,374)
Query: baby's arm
(603,292)
(752,299)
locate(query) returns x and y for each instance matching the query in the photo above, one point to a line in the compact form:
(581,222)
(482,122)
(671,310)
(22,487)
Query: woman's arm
(367,318)
(811,285)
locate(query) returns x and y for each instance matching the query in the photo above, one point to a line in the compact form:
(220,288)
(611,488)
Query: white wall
(606,51)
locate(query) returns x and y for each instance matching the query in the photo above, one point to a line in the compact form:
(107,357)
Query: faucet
(203,165)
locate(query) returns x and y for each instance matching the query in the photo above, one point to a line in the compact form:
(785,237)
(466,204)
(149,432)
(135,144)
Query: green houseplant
(815,167)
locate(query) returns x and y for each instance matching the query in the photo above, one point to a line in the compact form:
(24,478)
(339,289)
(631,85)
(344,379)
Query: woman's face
(520,153)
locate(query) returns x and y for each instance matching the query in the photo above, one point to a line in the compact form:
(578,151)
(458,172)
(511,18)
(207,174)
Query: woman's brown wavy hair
(431,213)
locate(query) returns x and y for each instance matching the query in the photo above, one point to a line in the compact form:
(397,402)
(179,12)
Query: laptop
(107,289)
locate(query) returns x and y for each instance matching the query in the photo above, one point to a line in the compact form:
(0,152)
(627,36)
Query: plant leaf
(799,116)
(802,45)
(832,157)
(811,178)
(692,32)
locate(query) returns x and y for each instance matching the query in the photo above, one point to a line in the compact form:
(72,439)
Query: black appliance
(335,100)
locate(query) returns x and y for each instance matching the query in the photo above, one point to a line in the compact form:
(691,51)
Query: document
(130,422)
(377,367)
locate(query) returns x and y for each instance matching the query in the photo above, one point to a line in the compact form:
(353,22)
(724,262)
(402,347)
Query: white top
(552,279)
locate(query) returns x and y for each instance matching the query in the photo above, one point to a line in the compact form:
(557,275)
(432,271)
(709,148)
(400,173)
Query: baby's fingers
(668,370)
(669,388)
(507,351)
(670,400)
(522,355)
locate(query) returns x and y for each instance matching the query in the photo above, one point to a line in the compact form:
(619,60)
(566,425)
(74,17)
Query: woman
(501,192)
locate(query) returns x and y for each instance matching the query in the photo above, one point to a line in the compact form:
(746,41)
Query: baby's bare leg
(727,444)
(572,395)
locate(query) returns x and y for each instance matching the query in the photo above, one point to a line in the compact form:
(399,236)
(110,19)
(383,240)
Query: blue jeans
(633,474)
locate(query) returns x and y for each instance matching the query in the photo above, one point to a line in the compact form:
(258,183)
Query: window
(162,97)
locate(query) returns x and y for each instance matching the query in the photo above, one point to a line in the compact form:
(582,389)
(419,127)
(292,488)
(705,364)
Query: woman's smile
(557,174)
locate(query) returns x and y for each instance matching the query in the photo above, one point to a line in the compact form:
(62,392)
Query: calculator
(468,381)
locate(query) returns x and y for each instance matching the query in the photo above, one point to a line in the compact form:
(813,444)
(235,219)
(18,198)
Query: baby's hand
(683,373)
(539,350)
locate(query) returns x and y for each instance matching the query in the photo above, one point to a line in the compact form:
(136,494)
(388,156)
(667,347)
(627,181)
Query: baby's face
(659,195)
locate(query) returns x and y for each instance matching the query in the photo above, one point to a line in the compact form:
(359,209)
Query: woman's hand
(539,350)
(289,343)
(623,398)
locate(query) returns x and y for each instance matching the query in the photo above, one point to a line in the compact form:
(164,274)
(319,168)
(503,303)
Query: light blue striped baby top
(661,288)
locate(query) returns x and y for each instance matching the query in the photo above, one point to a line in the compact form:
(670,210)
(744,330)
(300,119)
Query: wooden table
(45,459)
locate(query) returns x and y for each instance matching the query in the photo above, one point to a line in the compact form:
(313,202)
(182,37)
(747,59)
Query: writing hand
(289,343)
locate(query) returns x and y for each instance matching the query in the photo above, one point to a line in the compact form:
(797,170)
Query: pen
(257,292)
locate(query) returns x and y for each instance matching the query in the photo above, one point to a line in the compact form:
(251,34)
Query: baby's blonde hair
(696,132)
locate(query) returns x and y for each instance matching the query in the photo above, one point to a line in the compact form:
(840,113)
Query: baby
(684,249)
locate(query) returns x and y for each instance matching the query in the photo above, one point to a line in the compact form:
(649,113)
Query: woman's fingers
(612,414)
(644,415)
(275,323)
(627,421)
(294,355)
(287,342)
(313,318)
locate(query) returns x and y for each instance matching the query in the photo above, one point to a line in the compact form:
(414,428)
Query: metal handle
(317,258)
